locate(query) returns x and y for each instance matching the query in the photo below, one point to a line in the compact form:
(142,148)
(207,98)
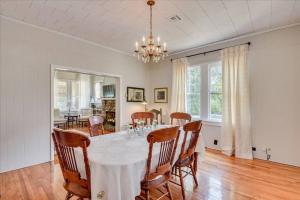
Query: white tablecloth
(118,163)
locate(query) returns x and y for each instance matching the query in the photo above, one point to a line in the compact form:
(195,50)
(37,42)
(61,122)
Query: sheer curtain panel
(178,103)
(236,136)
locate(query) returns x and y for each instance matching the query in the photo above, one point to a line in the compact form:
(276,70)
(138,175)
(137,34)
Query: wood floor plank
(220,178)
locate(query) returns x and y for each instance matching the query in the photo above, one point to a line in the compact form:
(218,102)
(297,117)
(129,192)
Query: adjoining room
(149,99)
(78,96)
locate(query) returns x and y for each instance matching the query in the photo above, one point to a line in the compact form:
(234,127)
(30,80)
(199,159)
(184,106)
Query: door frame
(54,67)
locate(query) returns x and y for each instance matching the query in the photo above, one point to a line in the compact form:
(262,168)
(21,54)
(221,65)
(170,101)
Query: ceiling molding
(233,39)
(66,35)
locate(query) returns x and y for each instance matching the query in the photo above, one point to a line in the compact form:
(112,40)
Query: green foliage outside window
(193,91)
(216,97)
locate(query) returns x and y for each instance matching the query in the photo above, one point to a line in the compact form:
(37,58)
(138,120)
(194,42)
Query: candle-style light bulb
(144,40)
(165,46)
(158,40)
(136,46)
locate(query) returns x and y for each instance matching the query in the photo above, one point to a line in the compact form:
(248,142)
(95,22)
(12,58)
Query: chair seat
(183,163)
(156,182)
(77,190)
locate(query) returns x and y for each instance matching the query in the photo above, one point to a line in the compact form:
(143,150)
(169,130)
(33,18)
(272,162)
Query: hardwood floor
(220,177)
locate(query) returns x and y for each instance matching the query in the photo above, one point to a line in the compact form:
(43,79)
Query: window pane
(97,90)
(215,77)
(215,91)
(216,106)
(61,95)
(75,95)
(193,90)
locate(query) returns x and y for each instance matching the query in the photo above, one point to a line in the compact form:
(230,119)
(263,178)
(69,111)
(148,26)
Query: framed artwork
(161,95)
(135,94)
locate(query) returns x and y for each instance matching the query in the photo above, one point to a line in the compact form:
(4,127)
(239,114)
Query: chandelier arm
(150,50)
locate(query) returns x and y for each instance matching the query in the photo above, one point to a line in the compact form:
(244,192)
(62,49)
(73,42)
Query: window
(204,91)
(66,94)
(75,96)
(98,90)
(215,91)
(193,91)
(61,94)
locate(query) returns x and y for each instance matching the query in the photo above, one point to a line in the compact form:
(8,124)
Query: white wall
(27,52)
(26,55)
(275,95)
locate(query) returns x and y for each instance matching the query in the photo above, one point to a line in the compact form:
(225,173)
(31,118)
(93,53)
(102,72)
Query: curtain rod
(249,43)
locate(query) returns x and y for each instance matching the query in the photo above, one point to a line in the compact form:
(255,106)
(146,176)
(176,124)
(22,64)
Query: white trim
(67,35)
(84,71)
(119,93)
(212,123)
(227,151)
(248,156)
(208,122)
(232,39)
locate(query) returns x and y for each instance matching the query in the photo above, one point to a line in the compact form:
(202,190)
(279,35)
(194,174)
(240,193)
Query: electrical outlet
(215,142)
(253,148)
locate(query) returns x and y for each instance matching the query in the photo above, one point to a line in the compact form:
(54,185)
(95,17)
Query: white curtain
(85,90)
(178,103)
(236,136)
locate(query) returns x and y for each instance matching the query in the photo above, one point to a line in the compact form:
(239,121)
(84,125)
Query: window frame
(70,95)
(205,89)
(188,86)
(210,92)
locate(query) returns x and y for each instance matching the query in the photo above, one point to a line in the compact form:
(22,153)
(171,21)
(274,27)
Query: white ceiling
(119,23)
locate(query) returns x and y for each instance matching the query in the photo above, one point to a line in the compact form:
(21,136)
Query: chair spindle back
(192,128)
(138,116)
(96,125)
(168,139)
(65,142)
(180,116)
(158,115)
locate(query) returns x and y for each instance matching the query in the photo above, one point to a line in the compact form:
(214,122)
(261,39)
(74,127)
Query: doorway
(76,95)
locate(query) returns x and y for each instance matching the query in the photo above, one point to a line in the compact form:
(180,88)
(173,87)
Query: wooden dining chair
(96,125)
(145,116)
(187,153)
(180,116)
(158,115)
(65,142)
(167,140)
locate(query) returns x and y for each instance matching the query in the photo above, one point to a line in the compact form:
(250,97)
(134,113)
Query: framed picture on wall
(135,94)
(161,95)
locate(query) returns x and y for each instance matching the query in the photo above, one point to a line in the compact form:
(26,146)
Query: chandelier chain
(150,20)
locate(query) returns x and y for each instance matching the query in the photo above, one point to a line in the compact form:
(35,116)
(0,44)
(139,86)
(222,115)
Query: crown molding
(66,35)
(233,39)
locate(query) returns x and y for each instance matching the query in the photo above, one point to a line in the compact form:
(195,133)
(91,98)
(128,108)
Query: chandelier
(151,50)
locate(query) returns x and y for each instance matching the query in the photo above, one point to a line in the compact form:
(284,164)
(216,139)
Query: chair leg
(195,164)
(176,170)
(68,196)
(182,184)
(173,170)
(147,194)
(194,174)
(169,191)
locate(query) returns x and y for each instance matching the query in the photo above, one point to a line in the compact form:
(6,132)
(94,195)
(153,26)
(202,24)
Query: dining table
(118,162)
